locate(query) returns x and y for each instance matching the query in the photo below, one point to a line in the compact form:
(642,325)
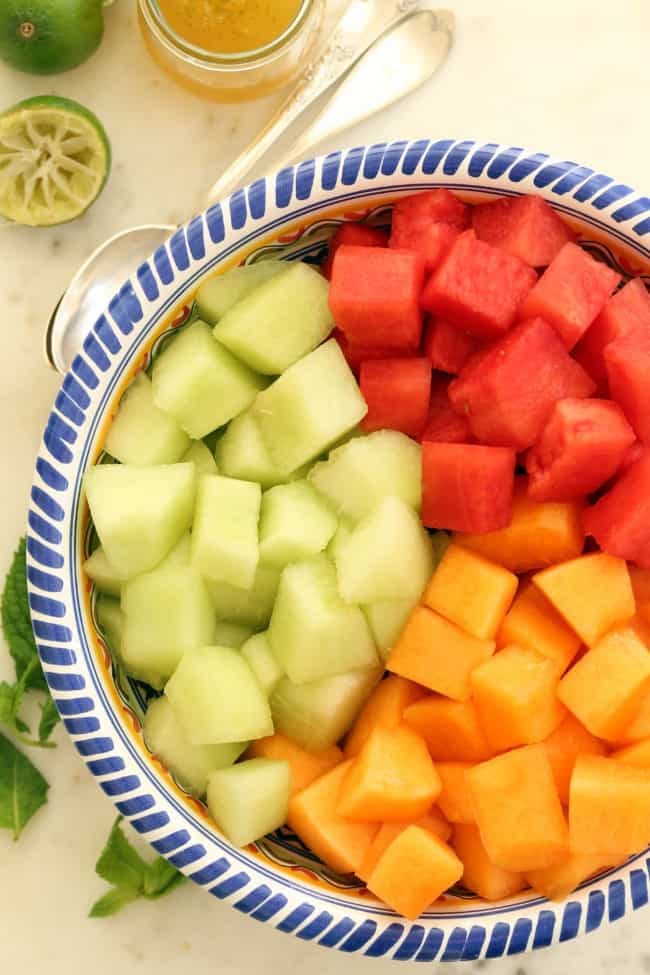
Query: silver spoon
(411,46)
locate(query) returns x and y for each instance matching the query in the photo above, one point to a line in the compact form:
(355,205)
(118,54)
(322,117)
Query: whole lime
(49,36)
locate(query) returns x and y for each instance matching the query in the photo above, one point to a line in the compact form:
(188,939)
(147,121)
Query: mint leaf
(161,877)
(23,790)
(119,863)
(49,720)
(113,901)
(16,621)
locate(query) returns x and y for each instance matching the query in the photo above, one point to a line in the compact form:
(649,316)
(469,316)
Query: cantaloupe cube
(556,883)
(434,821)
(518,810)
(450,728)
(563,746)
(480,875)
(386,619)
(383,709)
(539,534)
(340,843)
(593,593)
(640,579)
(471,592)
(454,799)
(414,871)
(515,695)
(305,767)
(392,777)
(639,726)
(438,654)
(609,808)
(532,621)
(606,687)
(637,754)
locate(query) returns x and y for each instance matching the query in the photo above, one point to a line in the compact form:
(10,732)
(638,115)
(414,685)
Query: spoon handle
(362,24)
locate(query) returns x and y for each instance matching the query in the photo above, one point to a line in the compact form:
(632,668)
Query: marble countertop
(570,78)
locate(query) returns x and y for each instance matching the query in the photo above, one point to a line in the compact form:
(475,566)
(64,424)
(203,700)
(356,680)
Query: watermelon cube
(446,347)
(443,424)
(432,241)
(628,372)
(507,390)
(356,234)
(467,487)
(375,296)
(625,312)
(524,226)
(620,520)
(397,392)
(432,206)
(356,354)
(571,293)
(478,288)
(579,449)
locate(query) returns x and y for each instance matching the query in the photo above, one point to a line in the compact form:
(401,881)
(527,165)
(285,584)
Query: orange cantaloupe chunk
(532,621)
(392,777)
(451,729)
(383,709)
(563,746)
(606,687)
(593,593)
(480,875)
(518,811)
(639,726)
(304,766)
(637,754)
(413,871)
(640,579)
(454,800)
(433,821)
(515,696)
(437,654)
(340,843)
(539,534)
(609,808)
(556,883)
(471,591)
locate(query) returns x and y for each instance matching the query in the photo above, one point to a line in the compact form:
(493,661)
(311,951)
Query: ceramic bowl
(291,214)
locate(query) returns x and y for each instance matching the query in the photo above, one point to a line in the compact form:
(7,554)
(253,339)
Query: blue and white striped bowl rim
(353,178)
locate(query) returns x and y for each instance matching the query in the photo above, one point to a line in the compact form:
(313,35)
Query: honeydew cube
(202,458)
(224,536)
(140,432)
(140,512)
(250,607)
(387,618)
(166,613)
(257,652)
(318,714)
(295,522)
(110,621)
(312,632)
(200,383)
(364,471)
(242,452)
(339,538)
(180,555)
(250,799)
(314,403)
(190,764)
(280,321)
(388,556)
(219,293)
(216,698)
(229,634)
(105,577)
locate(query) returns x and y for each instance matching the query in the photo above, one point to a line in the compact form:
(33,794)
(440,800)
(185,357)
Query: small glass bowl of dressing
(231,50)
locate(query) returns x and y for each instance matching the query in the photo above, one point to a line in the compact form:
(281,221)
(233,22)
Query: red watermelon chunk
(628,372)
(478,288)
(507,390)
(356,354)
(353,233)
(571,293)
(444,425)
(524,226)
(431,206)
(397,392)
(432,241)
(581,446)
(375,296)
(446,347)
(620,520)
(632,454)
(625,312)
(467,487)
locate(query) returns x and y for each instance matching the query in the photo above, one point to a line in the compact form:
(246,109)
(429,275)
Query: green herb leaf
(113,901)
(16,621)
(119,863)
(23,790)
(49,720)
(161,877)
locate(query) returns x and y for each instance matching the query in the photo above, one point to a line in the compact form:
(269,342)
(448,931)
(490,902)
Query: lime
(54,160)
(49,36)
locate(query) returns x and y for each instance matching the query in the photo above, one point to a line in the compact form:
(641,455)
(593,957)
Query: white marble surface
(567,77)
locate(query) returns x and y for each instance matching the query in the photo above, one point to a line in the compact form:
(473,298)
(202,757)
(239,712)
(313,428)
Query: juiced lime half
(54,160)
